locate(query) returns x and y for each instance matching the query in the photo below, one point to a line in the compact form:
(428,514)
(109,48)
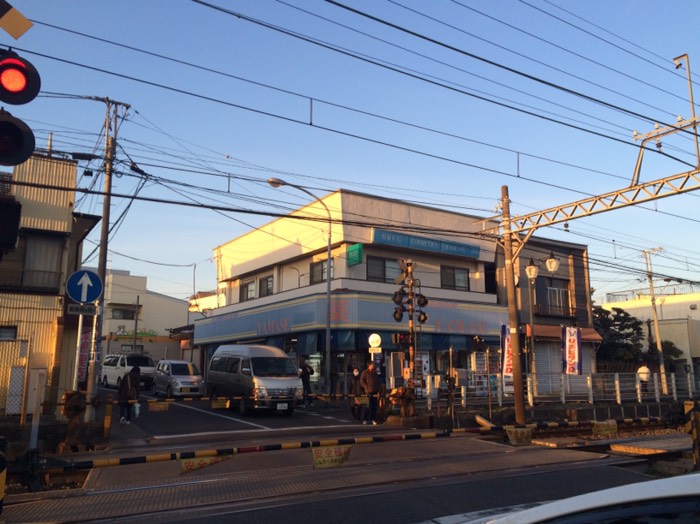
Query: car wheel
(154,391)
(242,407)
(119,381)
(169,392)
(105,382)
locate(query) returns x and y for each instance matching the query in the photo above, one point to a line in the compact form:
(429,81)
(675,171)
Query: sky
(439,103)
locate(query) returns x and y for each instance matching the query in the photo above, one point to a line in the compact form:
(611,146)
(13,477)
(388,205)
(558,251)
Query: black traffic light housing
(19,80)
(19,84)
(16,140)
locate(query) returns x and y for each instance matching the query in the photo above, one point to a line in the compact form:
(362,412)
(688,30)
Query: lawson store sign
(349,311)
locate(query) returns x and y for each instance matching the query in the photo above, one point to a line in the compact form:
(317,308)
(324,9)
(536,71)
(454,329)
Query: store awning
(549,331)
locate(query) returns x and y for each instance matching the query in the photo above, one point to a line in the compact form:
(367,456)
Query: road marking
(210,433)
(216,414)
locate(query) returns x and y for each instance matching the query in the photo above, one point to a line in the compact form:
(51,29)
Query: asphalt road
(385,482)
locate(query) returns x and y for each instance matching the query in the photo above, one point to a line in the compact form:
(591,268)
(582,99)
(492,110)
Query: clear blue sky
(554,122)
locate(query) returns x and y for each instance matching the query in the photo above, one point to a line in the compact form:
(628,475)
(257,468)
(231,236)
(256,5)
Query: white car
(114,367)
(674,500)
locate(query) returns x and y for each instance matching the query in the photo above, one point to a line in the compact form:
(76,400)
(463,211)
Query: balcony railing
(29,280)
(554,311)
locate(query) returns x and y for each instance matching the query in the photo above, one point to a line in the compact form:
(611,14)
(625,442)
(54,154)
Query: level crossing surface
(159,492)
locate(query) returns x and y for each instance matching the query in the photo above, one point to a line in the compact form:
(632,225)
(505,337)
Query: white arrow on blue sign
(84,286)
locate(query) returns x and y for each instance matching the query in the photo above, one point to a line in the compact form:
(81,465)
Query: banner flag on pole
(506,358)
(571,350)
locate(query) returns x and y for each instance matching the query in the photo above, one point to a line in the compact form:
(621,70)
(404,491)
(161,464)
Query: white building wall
(679,318)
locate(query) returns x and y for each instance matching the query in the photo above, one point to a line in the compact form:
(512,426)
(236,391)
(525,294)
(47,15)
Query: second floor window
(558,303)
(318,271)
(266,286)
(247,291)
(454,278)
(382,269)
(126,314)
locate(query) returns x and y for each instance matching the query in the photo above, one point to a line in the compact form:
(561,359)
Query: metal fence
(617,388)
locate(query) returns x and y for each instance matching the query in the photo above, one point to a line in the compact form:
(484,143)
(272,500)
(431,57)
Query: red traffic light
(19,80)
(16,140)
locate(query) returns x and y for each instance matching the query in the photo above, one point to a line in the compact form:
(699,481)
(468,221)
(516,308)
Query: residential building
(273,282)
(37,337)
(137,320)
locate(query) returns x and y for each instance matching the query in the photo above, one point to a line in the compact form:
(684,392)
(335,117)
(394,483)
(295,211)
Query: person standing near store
(369,380)
(305,372)
(356,394)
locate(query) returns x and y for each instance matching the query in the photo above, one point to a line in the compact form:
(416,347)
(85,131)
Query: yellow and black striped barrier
(73,466)
(224,452)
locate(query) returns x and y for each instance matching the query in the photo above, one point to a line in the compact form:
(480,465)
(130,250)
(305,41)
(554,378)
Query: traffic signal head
(19,80)
(16,140)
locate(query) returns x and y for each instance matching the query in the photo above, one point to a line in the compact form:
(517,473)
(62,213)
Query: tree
(671,354)
(622,334)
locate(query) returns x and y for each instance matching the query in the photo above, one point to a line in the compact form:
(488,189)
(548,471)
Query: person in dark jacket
(129,389)
(355,391)
(305,372)
(370,386)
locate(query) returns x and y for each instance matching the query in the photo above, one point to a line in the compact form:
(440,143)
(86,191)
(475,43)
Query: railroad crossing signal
(19,84)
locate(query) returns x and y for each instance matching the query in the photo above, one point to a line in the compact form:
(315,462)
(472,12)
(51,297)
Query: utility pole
(136,324)
(111,126)
(518,391)
(655,317)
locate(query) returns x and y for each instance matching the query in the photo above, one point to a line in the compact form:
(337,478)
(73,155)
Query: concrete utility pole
(111,126)
(518,391)
(655,317)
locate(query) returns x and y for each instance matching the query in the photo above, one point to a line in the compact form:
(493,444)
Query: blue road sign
(84,286)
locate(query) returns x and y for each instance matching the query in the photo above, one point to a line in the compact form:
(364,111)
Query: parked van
(264,378)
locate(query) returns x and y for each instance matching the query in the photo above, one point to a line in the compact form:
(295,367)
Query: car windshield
(140,361)
(183,369)
(273,367)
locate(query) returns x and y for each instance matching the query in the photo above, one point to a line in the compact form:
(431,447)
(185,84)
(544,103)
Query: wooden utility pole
(110,126)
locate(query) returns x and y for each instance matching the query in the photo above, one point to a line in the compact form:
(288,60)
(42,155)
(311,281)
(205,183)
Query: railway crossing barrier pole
(692,426)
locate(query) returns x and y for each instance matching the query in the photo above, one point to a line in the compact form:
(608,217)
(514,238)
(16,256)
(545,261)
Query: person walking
(356,394)
(129,389)
(305,372)
(369,380)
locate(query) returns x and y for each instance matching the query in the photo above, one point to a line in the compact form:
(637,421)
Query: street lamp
(276,183)
(532,270)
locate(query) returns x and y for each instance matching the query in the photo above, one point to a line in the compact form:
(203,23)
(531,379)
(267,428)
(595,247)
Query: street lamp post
(276,182)
(532,270)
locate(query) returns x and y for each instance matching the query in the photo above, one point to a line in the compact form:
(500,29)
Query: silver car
(177,378)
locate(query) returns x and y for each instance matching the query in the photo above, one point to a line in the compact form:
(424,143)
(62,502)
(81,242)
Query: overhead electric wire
(619,47)
(521,55)
(486,61)
(578,55)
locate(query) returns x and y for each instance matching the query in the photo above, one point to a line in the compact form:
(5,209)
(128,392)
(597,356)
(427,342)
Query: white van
(264,378)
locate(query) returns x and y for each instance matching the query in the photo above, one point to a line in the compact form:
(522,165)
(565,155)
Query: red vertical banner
(85,340)
(571,350)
